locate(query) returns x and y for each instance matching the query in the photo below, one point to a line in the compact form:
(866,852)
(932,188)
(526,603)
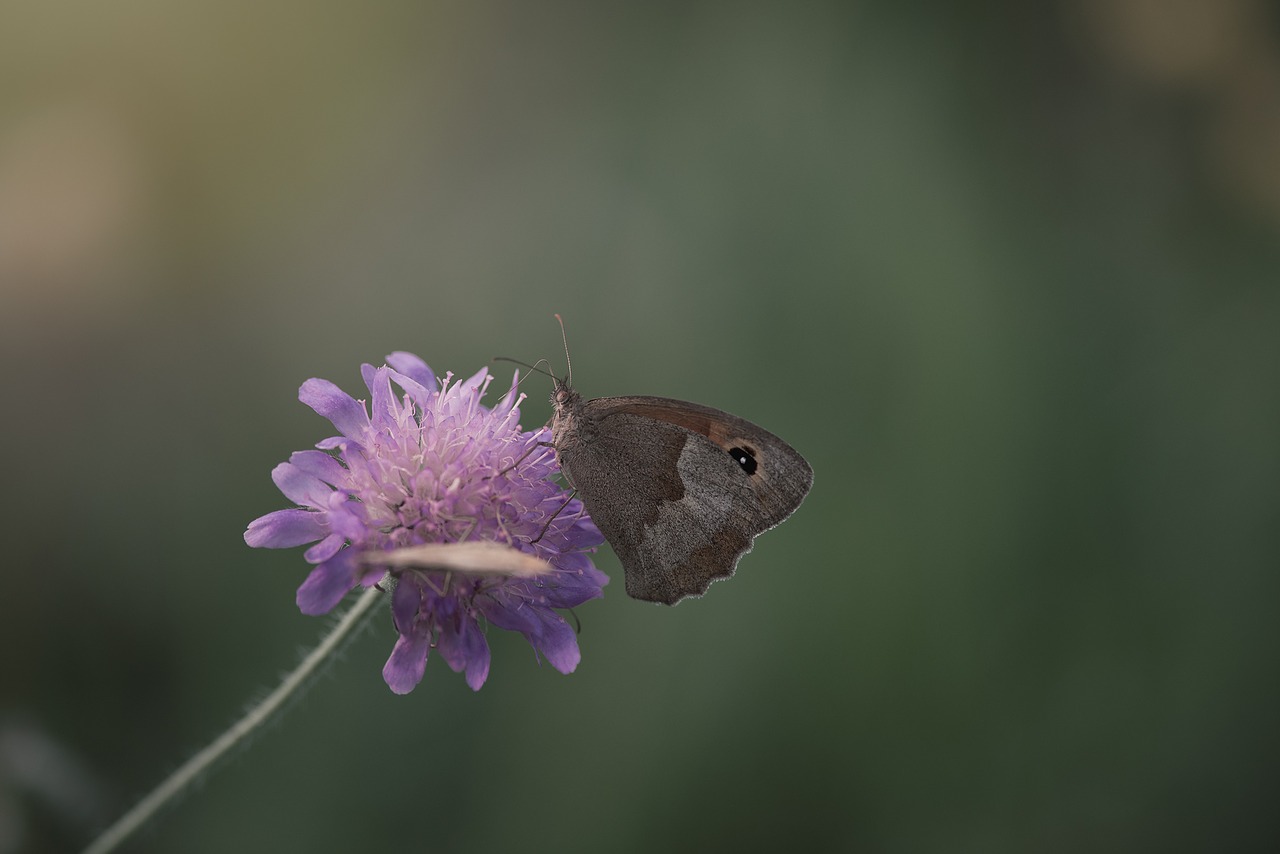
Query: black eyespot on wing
(745,456)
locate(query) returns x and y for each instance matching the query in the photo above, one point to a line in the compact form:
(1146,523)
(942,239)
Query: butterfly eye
(745,456)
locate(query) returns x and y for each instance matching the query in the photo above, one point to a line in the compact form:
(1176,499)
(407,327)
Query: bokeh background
(1006,273)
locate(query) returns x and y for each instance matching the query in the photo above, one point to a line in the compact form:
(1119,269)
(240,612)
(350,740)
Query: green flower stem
(254,718)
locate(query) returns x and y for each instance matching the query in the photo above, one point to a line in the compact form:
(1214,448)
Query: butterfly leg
(545,527)
(520,459)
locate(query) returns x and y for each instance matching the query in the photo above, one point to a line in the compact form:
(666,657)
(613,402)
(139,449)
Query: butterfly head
(567,406)
(563,395)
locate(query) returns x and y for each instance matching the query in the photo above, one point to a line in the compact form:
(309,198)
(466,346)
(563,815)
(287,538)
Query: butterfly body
(679,490)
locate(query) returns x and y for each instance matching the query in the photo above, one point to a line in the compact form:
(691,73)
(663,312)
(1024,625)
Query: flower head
(432,465)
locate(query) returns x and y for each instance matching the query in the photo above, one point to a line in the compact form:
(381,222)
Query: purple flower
(434,466)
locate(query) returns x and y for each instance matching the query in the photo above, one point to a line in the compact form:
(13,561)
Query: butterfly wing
(680,490)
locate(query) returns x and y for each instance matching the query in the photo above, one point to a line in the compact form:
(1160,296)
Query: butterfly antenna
(533,367)
(568,365)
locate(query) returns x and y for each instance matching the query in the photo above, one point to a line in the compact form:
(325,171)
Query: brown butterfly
(679,490)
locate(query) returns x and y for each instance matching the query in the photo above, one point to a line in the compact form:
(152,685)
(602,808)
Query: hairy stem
(254,718)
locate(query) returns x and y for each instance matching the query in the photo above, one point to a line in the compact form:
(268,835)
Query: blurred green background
(1005,273)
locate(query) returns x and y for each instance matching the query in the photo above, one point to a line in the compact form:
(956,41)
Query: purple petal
(382,402)
(344,519)
(336,405)
(558,643)
(475,381)
(405,601)
(417,392)
(518,617)
(403,670)
(569,590)
(467,648)
(327,584)
(415,369)
(300,487)
(508,400)
(572,563)
(325,549)
(285,529)
(321,465)
(546,630)
(371,576)
(584,534)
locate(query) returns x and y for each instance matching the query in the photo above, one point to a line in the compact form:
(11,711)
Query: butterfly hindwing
(680,490)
